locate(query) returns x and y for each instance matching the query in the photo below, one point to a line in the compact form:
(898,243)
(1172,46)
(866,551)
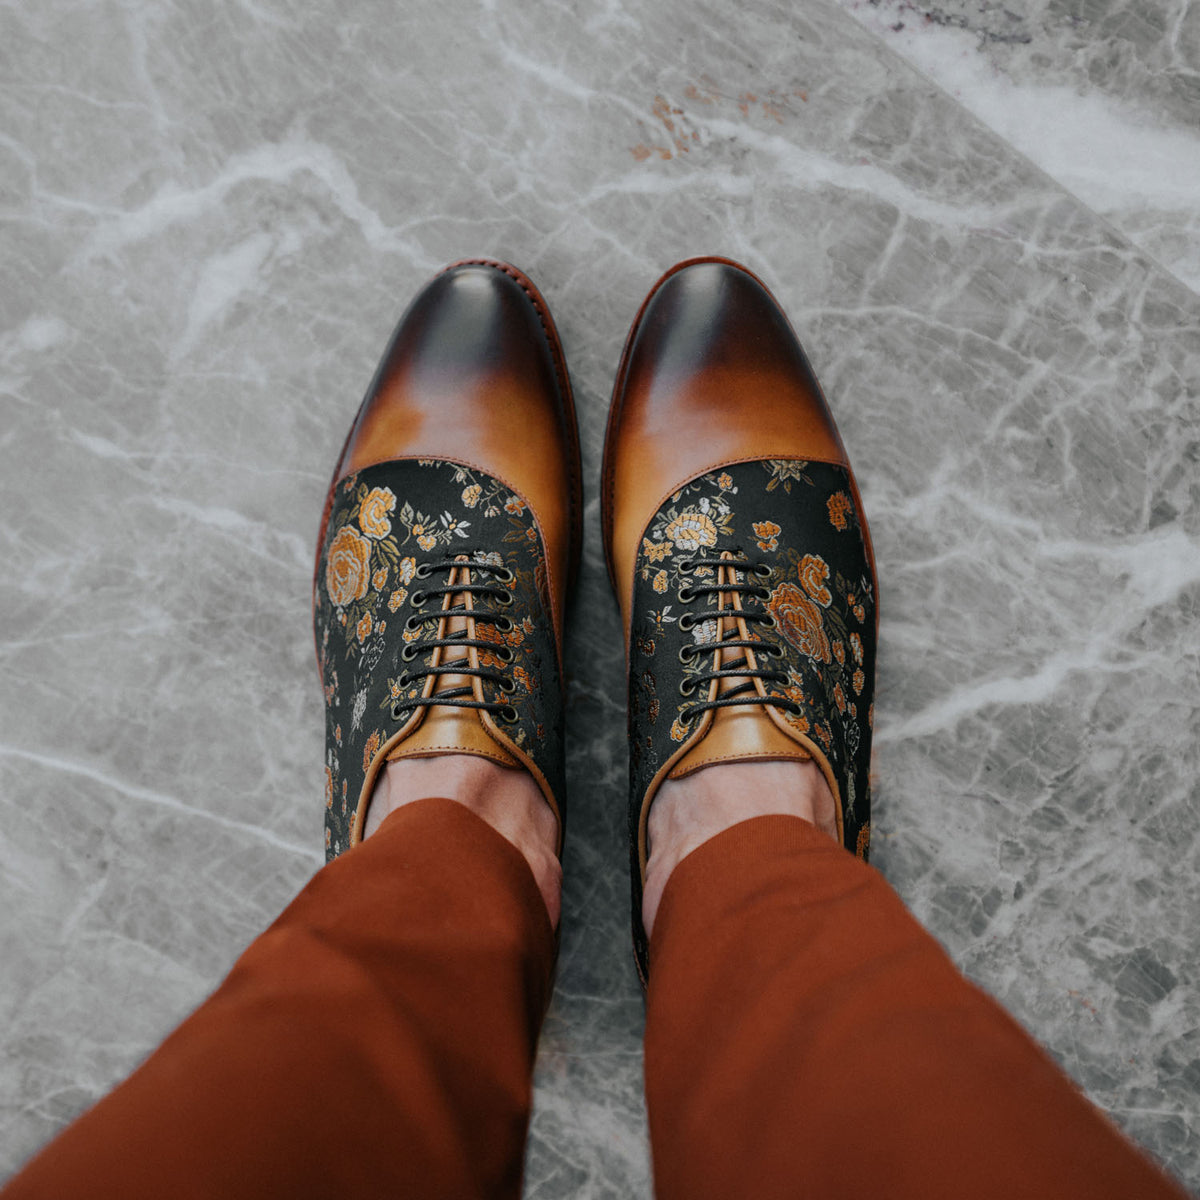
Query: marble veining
(1102,95)
(983,222)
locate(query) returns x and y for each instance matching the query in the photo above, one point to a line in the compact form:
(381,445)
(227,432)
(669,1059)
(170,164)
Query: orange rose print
(864,841)
(839,697)
(347,573)
(679,730)
(660,582)
(856,648)
(470,495)
(486,632)
(692,530)
(767,533)
(859,680)
(799,621)
(397,598)
(724,481)
(373,517)
(379,579)
(656,551)
(839,652)
(514,505)
(328,788)
(813,572)
(406,570)
(364,627)
(369,750)
(838,505)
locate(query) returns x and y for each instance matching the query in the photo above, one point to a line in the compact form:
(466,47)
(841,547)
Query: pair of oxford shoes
(732,524)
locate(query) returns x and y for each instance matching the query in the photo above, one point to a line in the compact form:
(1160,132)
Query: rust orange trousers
(804,1037)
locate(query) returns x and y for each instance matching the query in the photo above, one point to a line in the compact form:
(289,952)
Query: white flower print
(453,525)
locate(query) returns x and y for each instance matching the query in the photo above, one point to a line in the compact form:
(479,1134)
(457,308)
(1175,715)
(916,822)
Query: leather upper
(474,374)
(712,374)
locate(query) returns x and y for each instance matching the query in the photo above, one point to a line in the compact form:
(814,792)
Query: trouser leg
(806,1037)
(377,1040)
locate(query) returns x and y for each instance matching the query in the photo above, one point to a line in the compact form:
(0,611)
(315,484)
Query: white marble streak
(1115,146)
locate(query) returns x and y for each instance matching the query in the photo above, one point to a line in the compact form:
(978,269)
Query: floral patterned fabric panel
(384,523)
(798,519)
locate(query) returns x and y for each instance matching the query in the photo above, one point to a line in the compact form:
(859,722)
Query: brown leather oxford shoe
(450,536)
(738,551)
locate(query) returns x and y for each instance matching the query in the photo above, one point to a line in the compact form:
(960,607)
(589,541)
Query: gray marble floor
(984,220)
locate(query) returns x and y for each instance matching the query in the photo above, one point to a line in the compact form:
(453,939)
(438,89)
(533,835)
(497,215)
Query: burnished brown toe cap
(712,374)
(475,374)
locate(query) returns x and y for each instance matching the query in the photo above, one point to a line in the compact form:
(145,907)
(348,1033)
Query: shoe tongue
(743,732)
(447,728)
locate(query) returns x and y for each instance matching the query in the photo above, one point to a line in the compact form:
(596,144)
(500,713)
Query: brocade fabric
(799,520)
(384,522)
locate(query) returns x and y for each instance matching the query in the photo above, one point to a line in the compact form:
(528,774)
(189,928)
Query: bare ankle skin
(507,798)
(687,812)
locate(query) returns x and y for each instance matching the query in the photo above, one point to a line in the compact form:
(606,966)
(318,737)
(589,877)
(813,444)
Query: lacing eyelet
(398,710)
(772,621)
(508,714)
(408,653)
(417,598)
(414,623)
(775,650)
(506,599)
(507,686)
(762,570)
(686,622)
(686,595)
(687,653)
(762,593)
(504,654)
(506,576)
(686,566)
(504,624)
(687,687)
(423,571)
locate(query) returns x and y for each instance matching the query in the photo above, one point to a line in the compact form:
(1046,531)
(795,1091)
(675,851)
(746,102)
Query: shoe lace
(492,589)
(743,572)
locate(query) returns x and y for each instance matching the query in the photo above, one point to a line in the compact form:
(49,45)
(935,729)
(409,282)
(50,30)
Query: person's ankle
(507,798)
(688,812)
